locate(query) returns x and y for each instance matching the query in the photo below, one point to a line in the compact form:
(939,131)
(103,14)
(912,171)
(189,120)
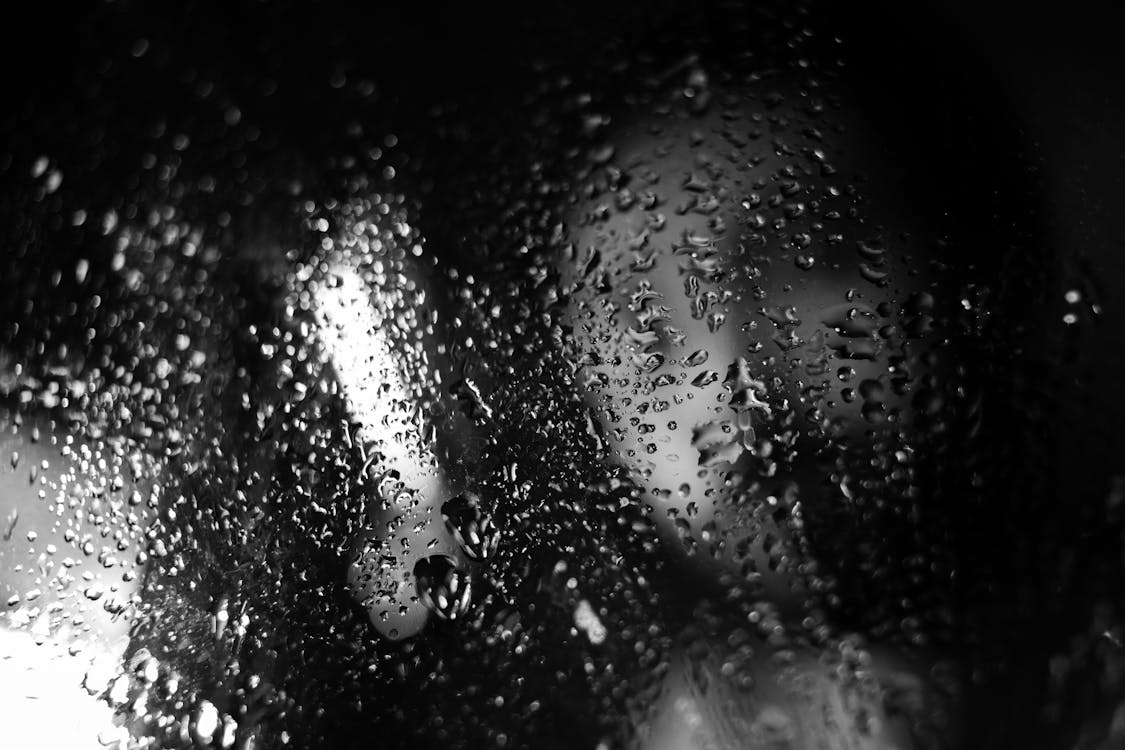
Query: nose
(397,465)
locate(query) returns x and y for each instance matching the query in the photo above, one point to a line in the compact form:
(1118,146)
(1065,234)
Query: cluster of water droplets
(652,432)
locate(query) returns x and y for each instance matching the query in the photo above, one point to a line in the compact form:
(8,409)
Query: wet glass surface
(686,376)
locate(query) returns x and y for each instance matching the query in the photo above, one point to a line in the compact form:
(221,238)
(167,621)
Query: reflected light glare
(43,698)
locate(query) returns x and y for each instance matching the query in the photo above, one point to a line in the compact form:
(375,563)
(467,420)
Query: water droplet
(442,586)
(471,525)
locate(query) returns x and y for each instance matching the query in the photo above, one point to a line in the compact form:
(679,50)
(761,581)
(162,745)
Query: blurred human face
(659,365)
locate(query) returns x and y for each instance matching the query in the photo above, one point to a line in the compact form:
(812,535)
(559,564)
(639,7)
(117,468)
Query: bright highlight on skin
(375,393)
